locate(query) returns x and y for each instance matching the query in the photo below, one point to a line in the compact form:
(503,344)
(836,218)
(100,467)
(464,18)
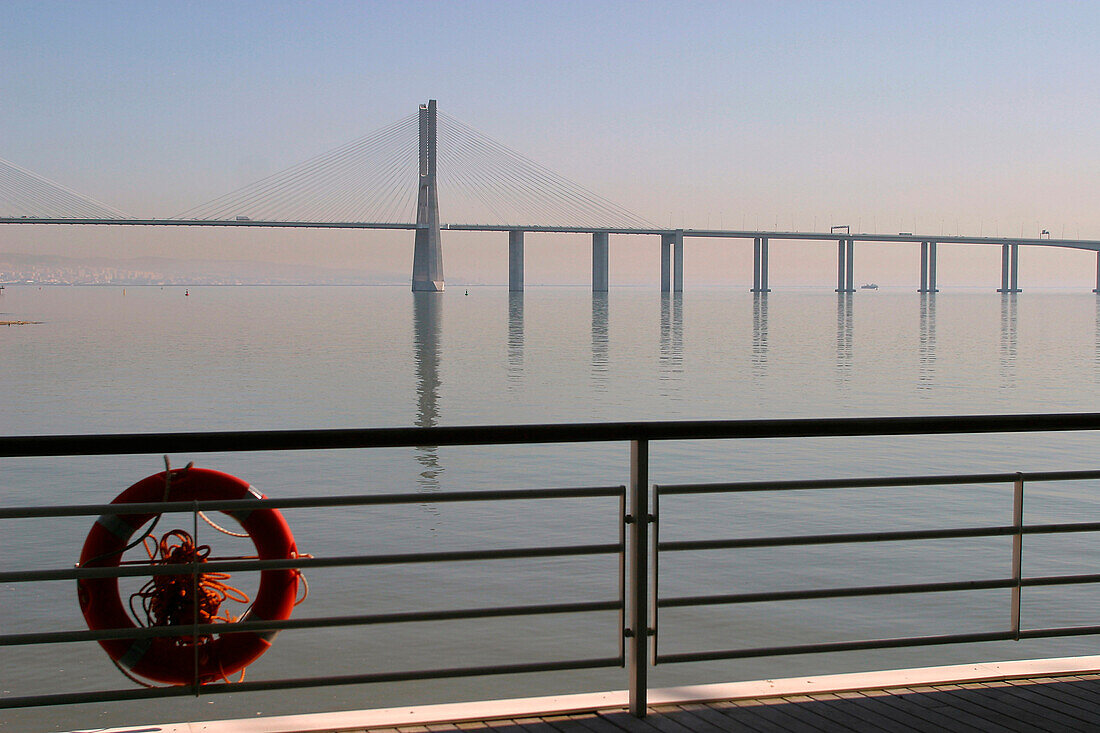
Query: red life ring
(160,658)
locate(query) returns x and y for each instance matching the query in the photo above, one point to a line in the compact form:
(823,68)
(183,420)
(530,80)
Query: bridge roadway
(672,247)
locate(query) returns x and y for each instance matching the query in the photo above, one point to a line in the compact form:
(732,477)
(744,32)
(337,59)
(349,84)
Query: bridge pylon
(427,274)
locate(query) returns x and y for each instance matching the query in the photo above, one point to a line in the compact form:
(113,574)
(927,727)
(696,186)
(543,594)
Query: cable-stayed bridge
(430,172)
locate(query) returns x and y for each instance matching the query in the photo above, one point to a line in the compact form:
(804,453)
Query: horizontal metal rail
(867,644)
(72,698)
(873,590)
(221,505)
(239,627)
(874,482)
(305,563)
(281,440)
(858,537)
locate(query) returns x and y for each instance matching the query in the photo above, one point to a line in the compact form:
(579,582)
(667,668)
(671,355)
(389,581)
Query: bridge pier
(760,265)
(427,274)
(845,266)
(515,261)
(666,262)
(678,261)
(599,262)
(928,268)
(1010,266)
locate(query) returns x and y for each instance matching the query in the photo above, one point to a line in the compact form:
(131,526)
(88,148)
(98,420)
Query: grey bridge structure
(391,179)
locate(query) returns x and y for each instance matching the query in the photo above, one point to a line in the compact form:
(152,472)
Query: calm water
(152,359)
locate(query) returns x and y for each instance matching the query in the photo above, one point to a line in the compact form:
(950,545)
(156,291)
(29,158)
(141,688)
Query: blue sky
(971,117)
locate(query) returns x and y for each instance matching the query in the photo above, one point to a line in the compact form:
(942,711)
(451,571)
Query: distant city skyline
(931,117)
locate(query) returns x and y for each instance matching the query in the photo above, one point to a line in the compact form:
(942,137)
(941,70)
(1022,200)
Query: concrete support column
(678,261)
(599,262)
(841,251)
(850,262)
(764,265)
(756,264)
(1010,264)
(666,262)
(1097,288)
(932,268)
(515,261)
(923,268)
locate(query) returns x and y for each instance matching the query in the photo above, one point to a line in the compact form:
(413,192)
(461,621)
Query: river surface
(140,359)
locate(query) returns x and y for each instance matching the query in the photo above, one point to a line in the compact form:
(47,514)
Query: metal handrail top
(404,437)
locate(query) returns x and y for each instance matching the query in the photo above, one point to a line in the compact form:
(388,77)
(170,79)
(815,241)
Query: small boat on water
(868,286)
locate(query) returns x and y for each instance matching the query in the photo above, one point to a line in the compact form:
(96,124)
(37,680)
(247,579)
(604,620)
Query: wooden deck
(1055,704)
(1060,694)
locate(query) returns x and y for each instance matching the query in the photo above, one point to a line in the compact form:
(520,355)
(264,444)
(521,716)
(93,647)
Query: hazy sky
(917,116)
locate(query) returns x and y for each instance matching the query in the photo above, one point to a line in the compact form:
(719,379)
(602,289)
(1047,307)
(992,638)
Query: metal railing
(636,602)
(1015,582)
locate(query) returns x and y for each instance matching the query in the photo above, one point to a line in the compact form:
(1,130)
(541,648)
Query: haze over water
(237,358)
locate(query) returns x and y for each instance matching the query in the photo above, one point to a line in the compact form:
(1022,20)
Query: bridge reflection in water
(926,351)
(427,330)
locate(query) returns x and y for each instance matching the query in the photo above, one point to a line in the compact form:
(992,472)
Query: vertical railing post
(1017,550)
(639,549)
(195,684)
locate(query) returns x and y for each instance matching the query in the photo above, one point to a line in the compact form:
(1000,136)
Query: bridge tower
(427,274)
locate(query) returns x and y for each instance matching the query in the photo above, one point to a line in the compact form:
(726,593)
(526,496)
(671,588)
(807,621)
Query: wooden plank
(822,705)
(714,720)
(1024,696)
(592,722)
(936,715)
(1083,690)
(857,709)
(804,716)
(652,723)
(677,714)
(977,701)
(765,717)
(1061,694)
(902,720)
(1018,699)
(566,723)
(505,725)
(535,725)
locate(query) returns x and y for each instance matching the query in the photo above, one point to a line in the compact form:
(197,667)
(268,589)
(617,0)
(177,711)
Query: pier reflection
(599,341)
(926,350)
(427,330)
(672,337)
(515,339)
(1008,341)
(844,329)
(759,335)
(1096,357)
